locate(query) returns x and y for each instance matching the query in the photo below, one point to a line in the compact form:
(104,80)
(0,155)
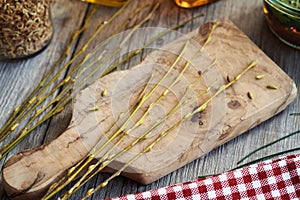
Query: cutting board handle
(38,168)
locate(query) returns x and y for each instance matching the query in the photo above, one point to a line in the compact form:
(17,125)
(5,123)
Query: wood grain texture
(230,114)
(247,15)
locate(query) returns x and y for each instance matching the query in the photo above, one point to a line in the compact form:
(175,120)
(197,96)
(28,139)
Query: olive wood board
(29,174)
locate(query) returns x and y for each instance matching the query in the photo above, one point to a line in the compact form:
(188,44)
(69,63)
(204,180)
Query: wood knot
(205,29)
(234,104)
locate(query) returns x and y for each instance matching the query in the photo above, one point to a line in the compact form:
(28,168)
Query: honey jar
(181,3)
(192,3)
(283,18)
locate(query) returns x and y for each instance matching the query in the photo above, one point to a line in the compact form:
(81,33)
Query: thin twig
(267,157)
(267,145)
(165,133)
(11,124)
(38,99)
(81,165)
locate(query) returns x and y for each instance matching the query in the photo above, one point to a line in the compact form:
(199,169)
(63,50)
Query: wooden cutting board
(27,175)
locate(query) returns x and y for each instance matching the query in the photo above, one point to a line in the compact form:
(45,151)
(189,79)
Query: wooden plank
(18,78)
(226,117)
(248,16)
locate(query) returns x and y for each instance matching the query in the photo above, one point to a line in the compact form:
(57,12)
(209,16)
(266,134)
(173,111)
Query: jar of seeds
(26,27)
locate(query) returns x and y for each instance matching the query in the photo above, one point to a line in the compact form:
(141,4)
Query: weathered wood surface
(227,116)
(247,15)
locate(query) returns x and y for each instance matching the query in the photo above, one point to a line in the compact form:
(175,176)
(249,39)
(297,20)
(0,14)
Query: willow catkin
(26,27)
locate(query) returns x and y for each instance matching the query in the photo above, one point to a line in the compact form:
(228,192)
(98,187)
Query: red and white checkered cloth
(273,179)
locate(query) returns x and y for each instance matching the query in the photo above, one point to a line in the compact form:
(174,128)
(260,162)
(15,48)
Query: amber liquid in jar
(113,3)
(192,3)
(283,19)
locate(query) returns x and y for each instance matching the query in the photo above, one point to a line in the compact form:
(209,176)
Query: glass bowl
(283,18)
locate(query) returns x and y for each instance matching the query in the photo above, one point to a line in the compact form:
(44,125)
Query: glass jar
(26,28)
(192,3)
(283,18)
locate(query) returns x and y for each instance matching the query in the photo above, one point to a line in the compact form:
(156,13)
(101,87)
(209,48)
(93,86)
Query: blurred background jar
(192,3)
(26,28)
(283,18)
(181,3)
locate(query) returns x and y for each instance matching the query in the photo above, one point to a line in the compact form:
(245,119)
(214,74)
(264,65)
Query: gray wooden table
(18,78)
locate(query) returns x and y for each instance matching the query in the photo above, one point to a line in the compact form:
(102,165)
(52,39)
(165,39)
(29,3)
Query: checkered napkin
(272,179)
